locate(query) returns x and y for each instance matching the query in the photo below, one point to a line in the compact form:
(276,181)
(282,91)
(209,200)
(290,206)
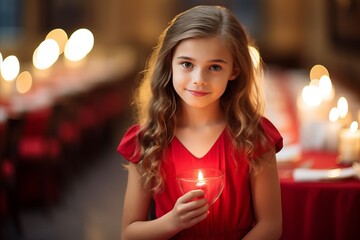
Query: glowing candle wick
(201,184)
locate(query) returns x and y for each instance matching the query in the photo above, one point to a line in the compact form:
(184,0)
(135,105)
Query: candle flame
(333,114)
(326,87)
(200,177)
(342,106)
(311,95)
(354,126)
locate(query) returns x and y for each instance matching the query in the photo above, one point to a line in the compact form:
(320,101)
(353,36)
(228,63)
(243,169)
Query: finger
(197,218)
(193,213)
(186,209)
(192,194)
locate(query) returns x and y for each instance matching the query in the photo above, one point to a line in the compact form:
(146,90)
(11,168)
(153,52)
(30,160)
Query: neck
(200,117)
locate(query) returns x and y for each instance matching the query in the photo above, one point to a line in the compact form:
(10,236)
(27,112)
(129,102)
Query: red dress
(231,216)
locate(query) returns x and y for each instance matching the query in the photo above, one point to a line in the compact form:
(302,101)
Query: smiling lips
(198,93)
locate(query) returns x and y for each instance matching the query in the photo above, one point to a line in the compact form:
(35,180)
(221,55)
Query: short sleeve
(128,146)
(273,135)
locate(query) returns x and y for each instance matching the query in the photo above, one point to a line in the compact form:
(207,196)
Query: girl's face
(201,70)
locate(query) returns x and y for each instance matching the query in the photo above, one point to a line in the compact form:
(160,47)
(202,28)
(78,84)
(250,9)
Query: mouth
(198,93)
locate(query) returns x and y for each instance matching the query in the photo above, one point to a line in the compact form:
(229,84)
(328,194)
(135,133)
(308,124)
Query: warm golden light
(46,54)
(200,176)
(314,82)
(342,106)
(60,36)
(311,95)
(200,181)
(255,56)
(354,126)
(326,87)
(333,114)
(1,60)
(318,71)
(10,68)
(23,82)
(79,45)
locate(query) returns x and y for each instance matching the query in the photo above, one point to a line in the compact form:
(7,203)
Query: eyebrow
(213,60)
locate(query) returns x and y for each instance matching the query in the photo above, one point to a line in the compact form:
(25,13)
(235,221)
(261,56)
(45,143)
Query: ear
(234,74)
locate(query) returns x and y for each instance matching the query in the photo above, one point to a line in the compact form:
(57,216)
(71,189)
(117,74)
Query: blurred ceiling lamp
(255,56)
(318,71)
(326,87)
(343,107)
(311,95)
(23,82)
(46,54)
(10,68)
(60,36)
(79,45)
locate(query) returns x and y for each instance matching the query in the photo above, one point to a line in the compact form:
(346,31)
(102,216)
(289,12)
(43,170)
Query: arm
(135,225)
(266,197)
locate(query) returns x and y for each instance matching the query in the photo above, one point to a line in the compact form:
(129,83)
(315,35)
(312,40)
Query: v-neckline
(210,149)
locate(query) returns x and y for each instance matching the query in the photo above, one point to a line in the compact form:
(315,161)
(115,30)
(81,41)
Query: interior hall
(69,69)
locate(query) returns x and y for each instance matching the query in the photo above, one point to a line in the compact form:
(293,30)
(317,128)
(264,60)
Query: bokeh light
(311,95)
(343,107)
(333,114)
(10,68)
(60,36)
(326,88)
(23,82)
(318,71)
(79,45)
(46,54)
(354,126)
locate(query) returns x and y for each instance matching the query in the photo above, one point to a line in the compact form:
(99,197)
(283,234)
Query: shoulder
(129,146)
(272,133)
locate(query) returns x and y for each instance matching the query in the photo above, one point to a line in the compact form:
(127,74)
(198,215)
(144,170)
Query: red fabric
(319,210)
(231,216)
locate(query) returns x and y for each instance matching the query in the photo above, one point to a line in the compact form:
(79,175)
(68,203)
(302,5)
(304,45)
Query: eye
(186,64)
(215,68)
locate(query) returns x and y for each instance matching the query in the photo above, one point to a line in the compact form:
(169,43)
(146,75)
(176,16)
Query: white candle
(333,128)
(349,147)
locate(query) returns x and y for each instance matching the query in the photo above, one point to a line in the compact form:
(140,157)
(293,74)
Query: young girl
(199,108)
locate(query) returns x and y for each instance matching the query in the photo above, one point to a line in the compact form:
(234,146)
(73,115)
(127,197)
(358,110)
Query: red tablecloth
(319,210)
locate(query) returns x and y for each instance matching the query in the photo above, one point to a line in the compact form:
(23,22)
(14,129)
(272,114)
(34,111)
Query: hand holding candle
(210,180)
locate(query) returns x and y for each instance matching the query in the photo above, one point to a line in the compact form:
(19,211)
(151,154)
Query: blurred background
(61,177)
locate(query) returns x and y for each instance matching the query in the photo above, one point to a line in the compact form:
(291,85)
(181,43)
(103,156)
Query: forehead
(203,49)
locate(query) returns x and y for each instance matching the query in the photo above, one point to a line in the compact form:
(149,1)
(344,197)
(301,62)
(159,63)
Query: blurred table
(328,209)
(68,79)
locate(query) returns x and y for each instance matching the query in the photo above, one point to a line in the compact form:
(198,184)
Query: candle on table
(312,118)
(349,147)
(332,130)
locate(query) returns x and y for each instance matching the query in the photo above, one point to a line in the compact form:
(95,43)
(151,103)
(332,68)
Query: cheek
(177,83)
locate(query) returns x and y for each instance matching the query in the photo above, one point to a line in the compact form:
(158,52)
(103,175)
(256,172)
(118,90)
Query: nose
(199,78)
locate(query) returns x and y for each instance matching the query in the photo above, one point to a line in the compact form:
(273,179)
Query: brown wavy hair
(158,103)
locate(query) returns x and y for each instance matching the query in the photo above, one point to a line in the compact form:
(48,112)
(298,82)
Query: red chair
(9,207)
(39,168)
